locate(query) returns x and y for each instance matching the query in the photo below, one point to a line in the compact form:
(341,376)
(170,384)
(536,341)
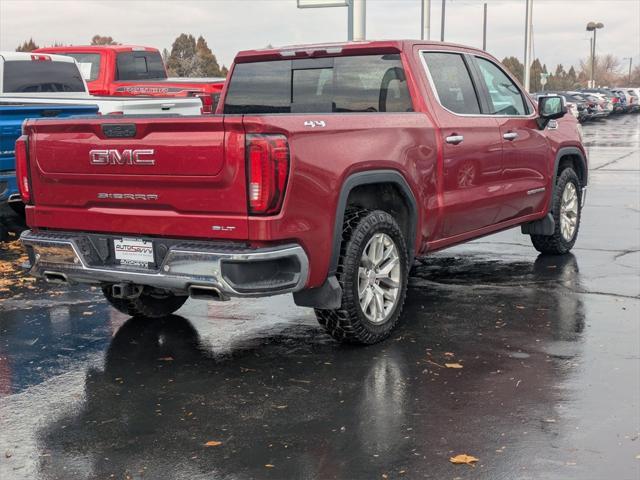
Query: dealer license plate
(133,251)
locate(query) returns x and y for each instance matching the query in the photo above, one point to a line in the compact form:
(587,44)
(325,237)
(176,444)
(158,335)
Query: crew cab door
(471,146)
(526,152)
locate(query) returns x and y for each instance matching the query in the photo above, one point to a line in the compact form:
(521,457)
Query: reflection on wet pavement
(549,385)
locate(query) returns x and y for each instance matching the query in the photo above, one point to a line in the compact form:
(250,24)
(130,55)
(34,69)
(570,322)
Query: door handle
(454,139)
(510,136)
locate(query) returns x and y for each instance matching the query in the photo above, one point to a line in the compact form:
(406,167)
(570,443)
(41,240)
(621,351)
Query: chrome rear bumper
(231,270)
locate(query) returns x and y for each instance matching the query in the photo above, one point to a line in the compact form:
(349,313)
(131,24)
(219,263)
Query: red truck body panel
(107,83)
(461,191)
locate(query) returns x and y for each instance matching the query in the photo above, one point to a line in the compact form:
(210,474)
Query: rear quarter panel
(323,157)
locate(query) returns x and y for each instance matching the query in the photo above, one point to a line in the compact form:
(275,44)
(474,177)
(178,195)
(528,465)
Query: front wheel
(566,213)
(372,271)
(151,303)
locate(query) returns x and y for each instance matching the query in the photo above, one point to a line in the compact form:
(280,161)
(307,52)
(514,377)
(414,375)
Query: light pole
(426,19)
(484,28)
(444,6)
(528,28)
(630,61)
(359,19)
(593,27)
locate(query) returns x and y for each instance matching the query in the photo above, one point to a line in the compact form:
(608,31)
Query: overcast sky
(232,25)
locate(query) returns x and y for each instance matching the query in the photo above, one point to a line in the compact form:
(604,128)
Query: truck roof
(98,48)
(341,48)
(28,56)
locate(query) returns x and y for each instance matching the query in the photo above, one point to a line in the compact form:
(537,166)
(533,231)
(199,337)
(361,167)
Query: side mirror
(550,107)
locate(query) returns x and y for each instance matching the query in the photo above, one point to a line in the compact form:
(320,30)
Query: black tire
(150,304)
(4,233)
(556,244)
(348,323)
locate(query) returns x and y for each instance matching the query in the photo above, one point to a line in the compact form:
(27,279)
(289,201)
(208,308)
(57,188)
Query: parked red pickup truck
(131,70)
(326,170)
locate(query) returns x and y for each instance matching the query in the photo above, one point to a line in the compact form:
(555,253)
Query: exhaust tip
(125,290)
(200,292)
(55,277)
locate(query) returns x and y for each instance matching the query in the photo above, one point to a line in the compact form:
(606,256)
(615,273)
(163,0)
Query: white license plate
(133,251)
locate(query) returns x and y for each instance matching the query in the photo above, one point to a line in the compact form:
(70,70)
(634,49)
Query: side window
(452,81)
(506,97)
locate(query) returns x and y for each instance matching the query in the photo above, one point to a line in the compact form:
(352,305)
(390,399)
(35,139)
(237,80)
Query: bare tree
(100,40)
(606,71)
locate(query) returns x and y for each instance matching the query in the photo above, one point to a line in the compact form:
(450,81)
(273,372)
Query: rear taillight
(22,169)
(209,101)
(267,172)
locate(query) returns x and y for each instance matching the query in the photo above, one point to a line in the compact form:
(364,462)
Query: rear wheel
(151,303)
(566,213)
(372,272)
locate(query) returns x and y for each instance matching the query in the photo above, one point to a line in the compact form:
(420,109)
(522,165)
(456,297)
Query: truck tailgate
(170,176)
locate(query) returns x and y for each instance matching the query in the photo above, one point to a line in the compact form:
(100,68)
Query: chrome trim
(583,196)
(454,139)
(510,135)
(181,268)
(481,115)
(14,197)
(536,190)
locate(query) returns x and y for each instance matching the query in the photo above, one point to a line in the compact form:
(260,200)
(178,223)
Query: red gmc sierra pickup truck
(128,70)
(325,171)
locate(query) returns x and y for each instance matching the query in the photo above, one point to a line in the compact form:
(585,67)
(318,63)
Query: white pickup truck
(35,78)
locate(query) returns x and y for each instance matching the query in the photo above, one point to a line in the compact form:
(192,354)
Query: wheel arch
(357,183)
(571,156)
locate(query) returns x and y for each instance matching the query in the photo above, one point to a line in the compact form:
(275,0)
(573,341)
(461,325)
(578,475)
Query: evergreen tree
(515,67)
(193,58)
(27,46)
(535,71)
(182,60)
(207,62)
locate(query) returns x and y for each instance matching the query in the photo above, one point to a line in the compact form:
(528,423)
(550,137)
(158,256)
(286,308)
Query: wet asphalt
(549,386)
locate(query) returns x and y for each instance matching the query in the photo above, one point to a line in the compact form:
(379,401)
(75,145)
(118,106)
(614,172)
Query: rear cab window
(348,84)
(35,76)
(139,66)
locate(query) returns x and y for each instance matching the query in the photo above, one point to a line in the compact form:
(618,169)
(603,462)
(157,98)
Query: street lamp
(593,27)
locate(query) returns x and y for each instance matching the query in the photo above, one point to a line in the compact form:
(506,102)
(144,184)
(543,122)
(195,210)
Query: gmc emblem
(124,157)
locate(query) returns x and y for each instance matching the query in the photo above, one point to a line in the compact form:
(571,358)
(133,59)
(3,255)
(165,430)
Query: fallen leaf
(166,359)
(519,307)
(212,443)
(449,354)
(268,465)
(463,459)
(453,365)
